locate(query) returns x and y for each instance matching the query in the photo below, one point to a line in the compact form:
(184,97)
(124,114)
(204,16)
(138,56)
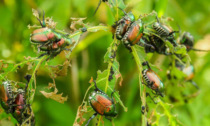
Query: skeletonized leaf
(82,109)
(53,95)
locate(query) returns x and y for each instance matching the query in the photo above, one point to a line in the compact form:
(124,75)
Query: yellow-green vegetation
(60,85)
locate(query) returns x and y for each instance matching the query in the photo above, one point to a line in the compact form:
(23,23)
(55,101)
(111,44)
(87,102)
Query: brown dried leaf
(55,96)
(35,13)
(59,70)
(91,80)
(121,78)
(82,109)
(50,23)
(51,85)
(77,21)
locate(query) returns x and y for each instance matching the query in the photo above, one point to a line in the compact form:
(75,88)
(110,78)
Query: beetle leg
(108,118)
(43,54)
(147,94)
(67,49)
(93,116)
(194,84)
(112,96)
(122,10)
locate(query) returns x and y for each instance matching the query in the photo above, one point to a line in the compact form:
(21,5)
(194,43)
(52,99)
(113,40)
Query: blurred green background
(190,15)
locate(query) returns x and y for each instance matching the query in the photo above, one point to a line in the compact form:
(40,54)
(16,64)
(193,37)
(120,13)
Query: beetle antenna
(157,19)
(39,21)
(199,50)
(122,10)
(97,7)
(43,22)
(95,85)
(93,116)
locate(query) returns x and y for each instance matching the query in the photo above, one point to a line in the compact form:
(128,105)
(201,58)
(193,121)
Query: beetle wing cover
(19,101)
(153,78)
(102,104)
(3,94)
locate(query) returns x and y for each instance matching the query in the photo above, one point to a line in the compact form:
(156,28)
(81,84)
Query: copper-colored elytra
(39,30)
(19,101)
(137,39)
(3,95)
(153,78)
(61,42)
(190,77)
(102,104)
(50,35)
(134,35)
(39,38)
(127,22)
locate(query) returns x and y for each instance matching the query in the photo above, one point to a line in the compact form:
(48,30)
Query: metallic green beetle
(6,96)
(152,80)
(49,40)
(102,104)
(120,27)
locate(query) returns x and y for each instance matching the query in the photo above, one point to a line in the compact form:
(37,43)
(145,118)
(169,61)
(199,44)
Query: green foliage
(68,73)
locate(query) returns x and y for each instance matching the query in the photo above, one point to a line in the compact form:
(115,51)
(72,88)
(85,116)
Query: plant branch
(142,87)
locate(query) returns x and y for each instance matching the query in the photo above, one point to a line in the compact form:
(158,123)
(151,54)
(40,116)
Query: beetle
(120,27)
(19,106)
(6,96)
(164,31)
(133,35)
(99,5)
(102,104)
(21,109)
(188,40)
(152,80)
(158,45)
(49,40)
(189,71)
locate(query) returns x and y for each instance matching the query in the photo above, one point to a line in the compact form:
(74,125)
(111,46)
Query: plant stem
(90,29)
(33,78)
(142,87)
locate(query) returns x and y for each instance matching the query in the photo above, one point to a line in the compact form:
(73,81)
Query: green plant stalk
(170,117)
(33,77)
(75,121)
(142,87)
(2,77)
(113,50)
(90,29)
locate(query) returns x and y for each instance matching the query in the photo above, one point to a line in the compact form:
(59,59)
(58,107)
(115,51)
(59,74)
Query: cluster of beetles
(131,32)
(14,100)
(127,30)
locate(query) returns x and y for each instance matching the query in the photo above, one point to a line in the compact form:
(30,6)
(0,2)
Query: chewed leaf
(53,95)
(75,22)
(82,109)
(35,13)
(103,84)
(148,19)
(59,70)
(141,53)
(6,68)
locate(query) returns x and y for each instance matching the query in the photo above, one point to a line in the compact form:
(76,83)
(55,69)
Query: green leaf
(102,82)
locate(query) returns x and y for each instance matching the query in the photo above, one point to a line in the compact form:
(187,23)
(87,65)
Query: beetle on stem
(102,104)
